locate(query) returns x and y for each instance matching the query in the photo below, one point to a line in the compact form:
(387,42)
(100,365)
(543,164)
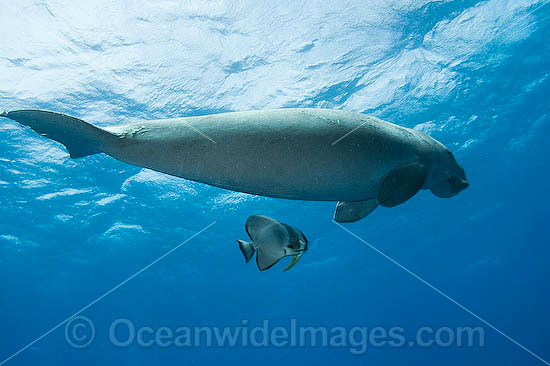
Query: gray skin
(272,240)
(299,154)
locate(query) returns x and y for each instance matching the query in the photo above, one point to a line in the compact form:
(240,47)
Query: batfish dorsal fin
(401,184)
(255,223)
(353,211)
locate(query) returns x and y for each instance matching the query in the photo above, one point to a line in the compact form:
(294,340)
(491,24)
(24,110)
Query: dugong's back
(309,154)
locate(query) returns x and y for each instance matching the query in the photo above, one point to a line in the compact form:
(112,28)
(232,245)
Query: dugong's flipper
(401,184)
(79,137)
(354,211)
(397,187)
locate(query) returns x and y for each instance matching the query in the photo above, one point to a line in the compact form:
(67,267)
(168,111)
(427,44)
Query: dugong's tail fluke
(79,137)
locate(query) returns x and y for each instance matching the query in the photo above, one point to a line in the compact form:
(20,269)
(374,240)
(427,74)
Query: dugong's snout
(458,184)
(454,184)
(450,187)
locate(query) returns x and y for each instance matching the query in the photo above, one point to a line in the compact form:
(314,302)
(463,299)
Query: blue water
(473,74)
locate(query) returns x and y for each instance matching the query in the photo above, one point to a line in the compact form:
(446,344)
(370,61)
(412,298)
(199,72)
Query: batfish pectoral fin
(354,211)
(401,184)
(266,260)
(294,260)
(247,249)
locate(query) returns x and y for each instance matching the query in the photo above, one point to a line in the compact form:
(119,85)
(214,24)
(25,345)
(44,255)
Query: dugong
(272,240)
(302,154)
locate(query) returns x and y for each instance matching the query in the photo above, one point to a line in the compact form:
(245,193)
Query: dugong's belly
(289,153)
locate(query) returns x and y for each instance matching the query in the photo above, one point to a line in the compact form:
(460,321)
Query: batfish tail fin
(79,137)
(247,249)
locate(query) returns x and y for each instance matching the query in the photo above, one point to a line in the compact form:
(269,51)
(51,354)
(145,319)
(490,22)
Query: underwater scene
(275,182)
